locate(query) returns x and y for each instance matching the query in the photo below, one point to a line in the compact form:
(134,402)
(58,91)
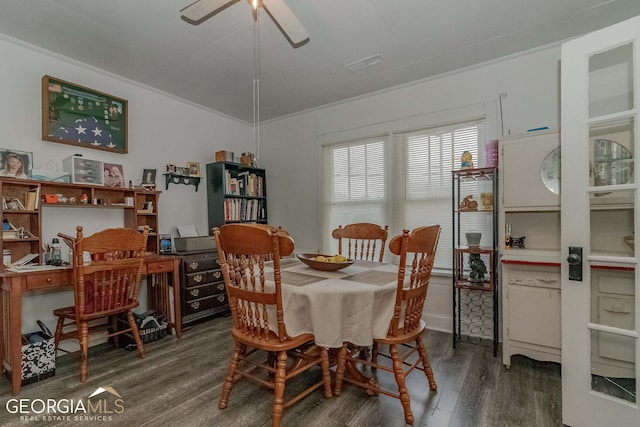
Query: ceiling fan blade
(202,10)
(286,21)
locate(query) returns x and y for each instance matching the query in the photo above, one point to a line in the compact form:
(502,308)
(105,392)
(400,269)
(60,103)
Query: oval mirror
(550,171)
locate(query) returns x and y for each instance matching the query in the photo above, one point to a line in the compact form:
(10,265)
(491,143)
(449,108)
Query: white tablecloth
(353,305)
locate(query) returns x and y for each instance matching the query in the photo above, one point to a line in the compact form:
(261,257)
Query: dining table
(352,305)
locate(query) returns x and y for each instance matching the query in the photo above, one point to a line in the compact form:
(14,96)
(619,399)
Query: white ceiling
(212,64)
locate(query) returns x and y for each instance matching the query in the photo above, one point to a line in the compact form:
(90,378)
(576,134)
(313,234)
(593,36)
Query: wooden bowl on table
(309,259)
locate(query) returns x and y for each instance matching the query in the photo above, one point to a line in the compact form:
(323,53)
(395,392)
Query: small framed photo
(194,168)
(147,207)
(113,175)
(165,243)
(171,168)
(15,163)
(149,177)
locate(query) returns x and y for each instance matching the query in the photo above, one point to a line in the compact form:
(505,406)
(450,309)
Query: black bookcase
(236,193)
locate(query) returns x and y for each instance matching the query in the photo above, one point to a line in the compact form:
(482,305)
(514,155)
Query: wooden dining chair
(255,300)
(281,232)
(363,241)
(404,337)
(104,287)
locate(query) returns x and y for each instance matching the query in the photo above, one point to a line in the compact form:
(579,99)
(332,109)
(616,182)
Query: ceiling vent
(365,62)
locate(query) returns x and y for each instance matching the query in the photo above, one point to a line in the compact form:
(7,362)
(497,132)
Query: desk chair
(417,252)
(364,241)
(255,300)
(103,288)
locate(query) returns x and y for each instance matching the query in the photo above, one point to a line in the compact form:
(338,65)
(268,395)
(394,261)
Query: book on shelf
(243,177)
(32,199)
(12,204)
(233,186)
(15,234)
(9,231)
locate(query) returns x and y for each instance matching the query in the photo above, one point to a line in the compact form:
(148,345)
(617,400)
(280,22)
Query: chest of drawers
(202,286)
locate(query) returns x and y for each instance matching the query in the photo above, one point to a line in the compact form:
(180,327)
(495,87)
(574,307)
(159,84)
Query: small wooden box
(224,156)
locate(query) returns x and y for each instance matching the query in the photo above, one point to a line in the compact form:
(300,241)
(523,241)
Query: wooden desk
(13,285)
(159,267)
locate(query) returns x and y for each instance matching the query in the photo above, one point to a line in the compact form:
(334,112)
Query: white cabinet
(531,297)
(530,182)
(531,170)
(531,310)
(530,209)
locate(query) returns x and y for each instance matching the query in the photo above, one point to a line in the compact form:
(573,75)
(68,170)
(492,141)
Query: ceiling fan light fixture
(365,62)
(278,11)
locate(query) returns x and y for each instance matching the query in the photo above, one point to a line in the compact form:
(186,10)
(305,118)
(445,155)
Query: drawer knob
(194,292)
(221,298)
(217,274)
(195,305)
(197,278)
(221,286)
(193,265)
(48,279)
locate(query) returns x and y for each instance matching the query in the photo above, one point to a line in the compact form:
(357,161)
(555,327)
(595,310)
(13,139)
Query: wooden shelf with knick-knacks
(23,200)
(174,178)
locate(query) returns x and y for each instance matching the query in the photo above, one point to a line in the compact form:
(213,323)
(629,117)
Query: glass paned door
(599,216)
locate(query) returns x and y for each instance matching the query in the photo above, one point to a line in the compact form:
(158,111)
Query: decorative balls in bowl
(325,262)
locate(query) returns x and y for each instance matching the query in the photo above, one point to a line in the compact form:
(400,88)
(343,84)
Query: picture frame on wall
(15,163)
(149,176)
(194,168)
(76,115)
(113,175)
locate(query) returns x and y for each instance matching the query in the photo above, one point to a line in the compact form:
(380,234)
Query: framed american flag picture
(76,115)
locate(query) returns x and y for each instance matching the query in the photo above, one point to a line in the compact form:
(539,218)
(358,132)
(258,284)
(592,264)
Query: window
(419,174)
(355,185)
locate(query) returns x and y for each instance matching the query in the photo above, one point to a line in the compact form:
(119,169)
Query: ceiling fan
(277,10)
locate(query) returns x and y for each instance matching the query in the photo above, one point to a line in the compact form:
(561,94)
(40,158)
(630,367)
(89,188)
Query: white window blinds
(354,185)
(423,164)
(411,189)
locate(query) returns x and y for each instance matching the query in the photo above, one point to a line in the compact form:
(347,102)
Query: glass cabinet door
(599,210)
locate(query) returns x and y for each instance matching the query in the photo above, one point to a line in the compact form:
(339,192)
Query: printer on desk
(190,241)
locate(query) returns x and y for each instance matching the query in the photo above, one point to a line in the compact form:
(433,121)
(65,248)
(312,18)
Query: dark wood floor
(178,384)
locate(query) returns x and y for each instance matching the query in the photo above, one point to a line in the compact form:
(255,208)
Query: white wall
(162,130)
(165,130)
(291,147)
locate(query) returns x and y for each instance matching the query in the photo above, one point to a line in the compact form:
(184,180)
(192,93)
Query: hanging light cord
(256,82)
